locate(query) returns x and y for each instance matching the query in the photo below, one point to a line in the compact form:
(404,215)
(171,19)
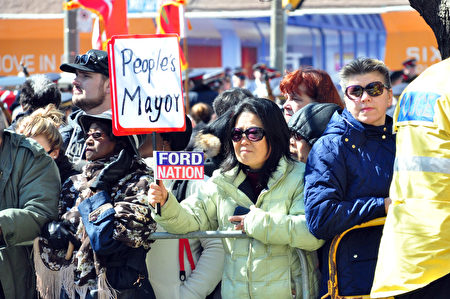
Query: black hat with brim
(85,121)
(96,62)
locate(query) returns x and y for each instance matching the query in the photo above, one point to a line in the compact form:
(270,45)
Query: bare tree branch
(436,14)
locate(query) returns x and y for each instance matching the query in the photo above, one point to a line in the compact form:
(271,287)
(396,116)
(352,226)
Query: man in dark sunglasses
(91,93)
(348,174)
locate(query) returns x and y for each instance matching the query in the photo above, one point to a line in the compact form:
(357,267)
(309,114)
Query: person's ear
(55,153)
(106,86)
(390,95)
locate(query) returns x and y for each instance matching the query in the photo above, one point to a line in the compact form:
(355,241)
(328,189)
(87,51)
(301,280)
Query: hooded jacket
(312,120)
(29,190)
(347,177)
(265,265)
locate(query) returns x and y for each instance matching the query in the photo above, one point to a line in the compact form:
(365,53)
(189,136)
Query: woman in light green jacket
(259,180)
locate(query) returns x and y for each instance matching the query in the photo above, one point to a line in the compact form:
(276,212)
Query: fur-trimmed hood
(208,143)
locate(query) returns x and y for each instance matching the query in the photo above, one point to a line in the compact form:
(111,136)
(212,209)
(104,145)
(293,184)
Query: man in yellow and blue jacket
(414,255)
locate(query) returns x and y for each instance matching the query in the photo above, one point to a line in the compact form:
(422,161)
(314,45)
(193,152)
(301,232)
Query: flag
(111,18)
(170,19)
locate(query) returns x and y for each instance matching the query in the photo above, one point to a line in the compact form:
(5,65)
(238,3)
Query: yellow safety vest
(415,247)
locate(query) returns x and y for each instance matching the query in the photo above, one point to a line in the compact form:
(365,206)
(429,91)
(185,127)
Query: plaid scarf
(133,225)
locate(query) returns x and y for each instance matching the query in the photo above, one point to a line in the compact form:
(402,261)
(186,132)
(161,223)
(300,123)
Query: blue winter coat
(347,177)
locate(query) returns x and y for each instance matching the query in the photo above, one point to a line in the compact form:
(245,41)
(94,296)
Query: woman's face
(299,148)
(369,109)
(42,140)
(251,153)
(295,102)
(98,144)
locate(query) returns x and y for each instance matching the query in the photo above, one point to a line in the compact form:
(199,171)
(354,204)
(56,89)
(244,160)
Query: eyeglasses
(373,89)
(95,135)
(253,134)
(86,58)
(296,136)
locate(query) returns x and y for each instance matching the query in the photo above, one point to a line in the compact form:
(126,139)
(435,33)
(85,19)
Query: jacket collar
(355,133)
(231,179)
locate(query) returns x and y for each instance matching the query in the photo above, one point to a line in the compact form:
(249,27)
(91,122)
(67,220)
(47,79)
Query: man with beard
(91,94)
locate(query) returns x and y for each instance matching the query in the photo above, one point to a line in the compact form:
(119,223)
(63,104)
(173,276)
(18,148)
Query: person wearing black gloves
(97,249)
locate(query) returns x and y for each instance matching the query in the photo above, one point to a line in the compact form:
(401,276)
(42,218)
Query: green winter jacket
(29,191)
(265,265)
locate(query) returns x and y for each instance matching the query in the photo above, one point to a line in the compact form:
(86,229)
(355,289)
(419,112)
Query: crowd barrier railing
(239,235)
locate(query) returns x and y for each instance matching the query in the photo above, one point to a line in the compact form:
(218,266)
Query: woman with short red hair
(307,85)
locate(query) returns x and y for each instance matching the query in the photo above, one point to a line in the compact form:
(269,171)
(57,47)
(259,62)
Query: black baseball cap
(95,61)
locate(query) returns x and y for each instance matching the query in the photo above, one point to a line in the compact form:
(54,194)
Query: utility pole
(277,36)
(71,39)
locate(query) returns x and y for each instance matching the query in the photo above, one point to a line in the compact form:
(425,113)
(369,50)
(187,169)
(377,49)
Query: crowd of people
(78,204)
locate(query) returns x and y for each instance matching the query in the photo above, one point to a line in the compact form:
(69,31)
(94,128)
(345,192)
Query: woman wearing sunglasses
(98,247)
(259,190)
(348,174)
(42,126)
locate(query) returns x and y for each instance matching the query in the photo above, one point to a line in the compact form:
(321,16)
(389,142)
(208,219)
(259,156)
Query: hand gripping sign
(146,89)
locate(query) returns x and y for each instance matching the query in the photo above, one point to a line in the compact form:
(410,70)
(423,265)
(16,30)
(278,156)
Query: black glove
(59,234)
(113,172)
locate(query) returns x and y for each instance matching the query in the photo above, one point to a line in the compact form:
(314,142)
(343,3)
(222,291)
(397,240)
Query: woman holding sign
(259,189)
(97,249)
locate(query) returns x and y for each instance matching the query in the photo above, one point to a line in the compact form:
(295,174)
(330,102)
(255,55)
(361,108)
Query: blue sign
(179,165)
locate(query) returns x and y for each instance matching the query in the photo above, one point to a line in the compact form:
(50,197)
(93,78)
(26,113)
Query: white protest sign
(146,87)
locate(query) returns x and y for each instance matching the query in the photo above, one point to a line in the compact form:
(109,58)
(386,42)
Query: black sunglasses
(88,58)
(95,135)
(373,89)
(253,134)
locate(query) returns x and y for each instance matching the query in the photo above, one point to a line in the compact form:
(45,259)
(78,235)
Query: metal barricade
(239,235)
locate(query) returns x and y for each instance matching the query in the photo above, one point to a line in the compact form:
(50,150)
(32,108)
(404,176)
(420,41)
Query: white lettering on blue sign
(418,106)
(179,158)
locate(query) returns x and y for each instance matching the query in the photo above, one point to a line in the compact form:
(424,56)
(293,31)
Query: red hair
(317,83)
